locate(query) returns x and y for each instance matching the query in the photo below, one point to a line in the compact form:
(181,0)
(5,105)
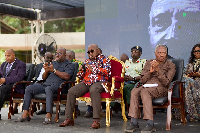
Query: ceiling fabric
(23,8)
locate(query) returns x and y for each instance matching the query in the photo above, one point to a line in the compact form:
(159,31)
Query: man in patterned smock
(133,68)
(96,71)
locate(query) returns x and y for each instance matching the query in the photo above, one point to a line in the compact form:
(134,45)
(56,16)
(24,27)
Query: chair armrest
(115,79)
(113,86)
(78,80)
(19,82)
(61,87)
(173,83)
(119,79)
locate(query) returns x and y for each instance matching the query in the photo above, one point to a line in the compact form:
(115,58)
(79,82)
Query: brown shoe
(87,115)
(67,122)
(95,125)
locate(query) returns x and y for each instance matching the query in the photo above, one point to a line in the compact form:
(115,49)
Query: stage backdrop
(118,25)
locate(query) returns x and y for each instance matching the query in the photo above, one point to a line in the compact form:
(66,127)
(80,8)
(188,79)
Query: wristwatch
(54,70)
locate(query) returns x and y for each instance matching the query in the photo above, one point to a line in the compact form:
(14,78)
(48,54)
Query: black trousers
(5,92)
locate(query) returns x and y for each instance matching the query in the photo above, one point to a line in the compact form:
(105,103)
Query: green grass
(78,50)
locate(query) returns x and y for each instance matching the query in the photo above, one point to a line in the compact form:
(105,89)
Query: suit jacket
(163,77)
(16,73)
(37,70)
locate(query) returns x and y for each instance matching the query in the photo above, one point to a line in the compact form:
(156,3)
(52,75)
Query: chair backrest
(178,75)
(117,69)
(73,78)
(29,71)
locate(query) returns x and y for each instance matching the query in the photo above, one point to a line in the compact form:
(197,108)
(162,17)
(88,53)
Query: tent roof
(50,9)
(6,29)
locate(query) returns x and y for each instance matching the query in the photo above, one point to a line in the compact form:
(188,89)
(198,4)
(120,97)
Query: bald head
(70,55)
(11,50)
(93,51)
(124,57)
(48,57)
(10,55)
(60,55)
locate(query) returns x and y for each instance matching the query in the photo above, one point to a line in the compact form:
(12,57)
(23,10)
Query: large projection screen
(118,25)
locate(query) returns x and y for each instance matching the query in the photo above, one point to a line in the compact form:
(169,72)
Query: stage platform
(82,125)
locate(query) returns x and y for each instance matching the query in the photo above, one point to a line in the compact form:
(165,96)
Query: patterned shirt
(100,70)
(134,69)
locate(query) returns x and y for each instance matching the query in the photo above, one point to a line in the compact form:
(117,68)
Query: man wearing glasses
(133,68)
(55,73)
(95,71)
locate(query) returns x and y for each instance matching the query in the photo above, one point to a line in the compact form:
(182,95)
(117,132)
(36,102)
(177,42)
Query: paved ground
(82,124)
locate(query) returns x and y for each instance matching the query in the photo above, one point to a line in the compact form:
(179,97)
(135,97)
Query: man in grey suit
(55,73)
(11,71)
(39,70)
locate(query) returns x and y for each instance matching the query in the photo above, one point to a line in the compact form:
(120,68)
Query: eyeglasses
(91,51)
(133,51)
(196,51)
(59,54)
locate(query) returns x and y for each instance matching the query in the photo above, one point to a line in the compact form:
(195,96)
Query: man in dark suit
(39,70)
(11,71)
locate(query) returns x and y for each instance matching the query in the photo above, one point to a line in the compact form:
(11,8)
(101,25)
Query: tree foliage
(56,26)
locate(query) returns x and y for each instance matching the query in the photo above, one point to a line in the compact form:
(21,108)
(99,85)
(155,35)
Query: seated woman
(192,84)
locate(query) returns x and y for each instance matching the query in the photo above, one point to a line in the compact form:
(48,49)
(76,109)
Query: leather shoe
(23,119)
(67,122)
(95,125)
(87,114)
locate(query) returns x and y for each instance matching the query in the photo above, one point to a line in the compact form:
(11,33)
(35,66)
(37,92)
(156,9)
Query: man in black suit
(39,70)
(11,71)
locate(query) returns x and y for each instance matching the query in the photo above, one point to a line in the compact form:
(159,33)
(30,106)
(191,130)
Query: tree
(56,26)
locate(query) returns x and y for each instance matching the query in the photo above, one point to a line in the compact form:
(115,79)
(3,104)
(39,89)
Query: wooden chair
(16,97)
(175,98)
(116,94)
(61,97)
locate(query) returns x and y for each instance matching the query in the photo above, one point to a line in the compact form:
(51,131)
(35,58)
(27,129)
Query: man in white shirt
(39,70)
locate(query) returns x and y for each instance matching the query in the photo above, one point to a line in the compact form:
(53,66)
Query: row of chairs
(173,100)
(62,90)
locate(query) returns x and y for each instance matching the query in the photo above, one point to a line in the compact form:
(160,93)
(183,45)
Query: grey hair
(162,45)
(72,53)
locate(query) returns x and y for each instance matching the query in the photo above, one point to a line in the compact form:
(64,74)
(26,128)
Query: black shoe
(87,114)
(23,119)
(148,129)
(131,128)
(62,113)
(41,112)
(128,117)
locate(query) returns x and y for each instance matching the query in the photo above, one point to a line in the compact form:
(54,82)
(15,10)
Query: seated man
(133,68)
(95,72)
(39,70)
(11,71)
(158,71)
(124,57)
(57,72)
(70,55)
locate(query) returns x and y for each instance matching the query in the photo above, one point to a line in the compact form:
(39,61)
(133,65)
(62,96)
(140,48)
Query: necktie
(7,68)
